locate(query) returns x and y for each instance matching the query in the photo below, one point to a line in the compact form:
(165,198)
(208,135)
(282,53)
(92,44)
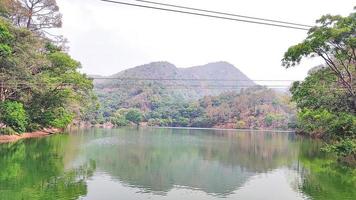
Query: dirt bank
(36,134)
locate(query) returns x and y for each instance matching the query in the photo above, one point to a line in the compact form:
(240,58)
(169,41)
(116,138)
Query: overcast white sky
(107,38)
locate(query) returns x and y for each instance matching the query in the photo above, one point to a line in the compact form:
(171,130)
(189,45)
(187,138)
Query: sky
(108,38)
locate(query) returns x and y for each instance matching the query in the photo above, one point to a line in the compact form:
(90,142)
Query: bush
(203,122)
(154,122)
(119,120)
(342,148)
(344,125)
(240,124)
(7,131)
(269,120)
(57,118)
(13,115)
(134,115)
(33,127)
(323,123)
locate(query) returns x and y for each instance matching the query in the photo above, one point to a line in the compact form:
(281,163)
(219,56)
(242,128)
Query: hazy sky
(107,38)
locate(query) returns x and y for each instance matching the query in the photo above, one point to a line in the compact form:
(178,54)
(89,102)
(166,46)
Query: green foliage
(57,118)
(134,115)
(31,127)
(13,115)
(327,98)
(321,90)
(322,123)
(250,107)
(7,131)
(119,118)
(5,39)
(332,39)
(51,87)
(342,148)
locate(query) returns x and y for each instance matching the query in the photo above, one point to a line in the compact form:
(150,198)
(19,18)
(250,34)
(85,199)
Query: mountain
(193,82)
(213,95)
(217,70)
(152,84)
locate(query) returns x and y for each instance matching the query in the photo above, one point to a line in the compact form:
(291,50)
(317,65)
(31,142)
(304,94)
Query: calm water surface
(99,164)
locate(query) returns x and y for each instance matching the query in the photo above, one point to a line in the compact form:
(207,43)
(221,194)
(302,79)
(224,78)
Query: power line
(202,86)
(204,15)
(168,79)
(182,79)
(224,13)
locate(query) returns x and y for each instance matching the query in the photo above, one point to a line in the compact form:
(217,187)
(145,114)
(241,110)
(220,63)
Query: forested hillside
(212,95)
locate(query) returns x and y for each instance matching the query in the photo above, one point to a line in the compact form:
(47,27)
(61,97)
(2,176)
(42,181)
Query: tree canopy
(36,73)
(326,99)
(334,40)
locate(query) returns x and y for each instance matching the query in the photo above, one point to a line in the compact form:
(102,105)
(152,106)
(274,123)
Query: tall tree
(35,15)
(334,40)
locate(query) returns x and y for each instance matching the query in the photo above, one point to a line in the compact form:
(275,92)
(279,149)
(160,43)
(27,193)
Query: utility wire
(204,15)
(167,79)
(224,13)
(178,79)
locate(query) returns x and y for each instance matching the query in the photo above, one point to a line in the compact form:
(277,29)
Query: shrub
(181,122)
(134,115)
(269,120)
(344,125)
(119,120)
(203,122)
(342,148)
(154,122)
(240,124)
(57,118)
(33,127)
(7,131)
(14,115)
(327,124)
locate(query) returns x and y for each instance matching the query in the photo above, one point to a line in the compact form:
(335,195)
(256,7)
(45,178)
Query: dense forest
(40,85)
(326,99)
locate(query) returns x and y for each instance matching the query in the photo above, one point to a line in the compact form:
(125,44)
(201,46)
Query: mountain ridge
(154,70)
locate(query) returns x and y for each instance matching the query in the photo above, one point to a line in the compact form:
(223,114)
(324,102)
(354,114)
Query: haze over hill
(193,82)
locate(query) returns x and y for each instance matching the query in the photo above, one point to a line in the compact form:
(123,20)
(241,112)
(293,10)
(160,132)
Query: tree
(320,90)
(334,40)
(41,76)
(21,60)
(35,15)
(134,115)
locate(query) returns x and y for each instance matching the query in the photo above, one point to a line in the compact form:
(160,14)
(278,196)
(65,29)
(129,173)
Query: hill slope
(212,95)
(190,83)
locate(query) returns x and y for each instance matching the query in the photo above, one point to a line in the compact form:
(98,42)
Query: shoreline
(35,134)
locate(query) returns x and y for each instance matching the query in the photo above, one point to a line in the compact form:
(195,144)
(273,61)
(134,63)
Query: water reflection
(214,162)
(171,164)
(34,169)
(322,178)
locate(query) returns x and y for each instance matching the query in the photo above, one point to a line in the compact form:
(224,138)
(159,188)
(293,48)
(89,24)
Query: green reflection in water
(217,162)
(34,169)
(323,179)
(156,161)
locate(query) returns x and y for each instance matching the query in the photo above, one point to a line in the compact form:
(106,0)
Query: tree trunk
(2,92)
(354,104)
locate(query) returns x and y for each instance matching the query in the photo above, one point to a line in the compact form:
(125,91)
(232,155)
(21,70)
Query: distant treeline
(253,108)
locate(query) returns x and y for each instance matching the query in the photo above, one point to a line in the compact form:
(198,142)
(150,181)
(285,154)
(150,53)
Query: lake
(150,163)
